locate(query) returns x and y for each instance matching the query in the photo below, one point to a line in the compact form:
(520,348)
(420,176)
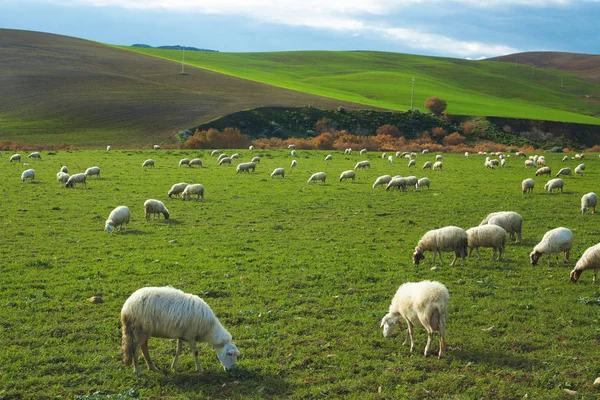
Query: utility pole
(412,94)
(182,58)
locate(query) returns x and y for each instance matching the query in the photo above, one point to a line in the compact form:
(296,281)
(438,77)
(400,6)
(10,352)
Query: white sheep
(554,241)
(565,158)
(422,305)
(214,153)
(396,182)
(391,159)
(177,188)
(382,180)
(156,147)
(564,171)
(348,150)
(64,169)
(318,176)
(62,177)
(579,169)
(427,165)
(543,171)
(184,161)
(363,151)
(93,171)
(422,183)
(412,163)
(529,163)
(255,159)
(234,156)
(510,221)
(291,146)
(555,183)
(15,157)
(251,148)
(328,157)
(589,260)
(294,163)
(245,167)
(76,178)
(148,163)
(190,190)
(466,154)
(293,153)
(527,185)
(221,156)
(225,160)
(503,163)
(350,174)
(108,148)
(117,218)
(439,157)
(491,236)
(413,155)
(448,238)
(195,161)
(155,207)
(437,165)
(383,156)
(363,164)
(425,152)
(28,173)
(589,200)
(166,312)
(35,154)
(411,181)
(579,156)
(278,171)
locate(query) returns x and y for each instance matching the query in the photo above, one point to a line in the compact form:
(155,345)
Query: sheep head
(535,257)
(166,214)
(109,228)
(227,355)
(417,256)
(575,275)
(389,323)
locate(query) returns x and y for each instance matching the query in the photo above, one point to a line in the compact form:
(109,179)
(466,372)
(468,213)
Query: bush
(436,105)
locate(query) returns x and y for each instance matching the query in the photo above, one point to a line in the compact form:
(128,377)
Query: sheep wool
(93,171)
(543,171)
(176,189)
(117,218)
(318,176)
(195,189)
(564,171)
(155,207)
(350,174)
(35,154)
(422,183)
(448,238)
(184,161)
(589,260)
(382,180)
(555,183)
(427,165)
(589,200)
(15,157)
(278,171)
(491,236)
(509,220)
(62,177)
(148,163)
(554,241)
(527,185)
(76,178)
(28,174)
(195,161)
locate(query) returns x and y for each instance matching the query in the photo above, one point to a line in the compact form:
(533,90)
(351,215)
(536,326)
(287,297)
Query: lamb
(543,171)
(167,312)
(555,183)
(195,161)
(466,154)
(437,165)
(76,178)
(328,157)
(427,165)
(64,169)
(245,167)
(579,156)
(176,189)
(579,169)
(362,164)
(589,260)
(422,183)
(225,160)
(350,174)
(35,154)
(196,189)
(214,153)
(28,173)
(509,220)
(492,236)
(421,304)
(156,147)
(589,200)
(382,180)
(93,171)
(62,177)
(412,163)
(184,161)
(294,163)
(148,163)
(278,171)
(318,176)
(107,148)
(553,242)
(152,206)
(255,159)
(503,163)
(251,148)
(391,159)
(448,238)
(15,157)
(527,185)
(117,218)
(564,171)
(396,182)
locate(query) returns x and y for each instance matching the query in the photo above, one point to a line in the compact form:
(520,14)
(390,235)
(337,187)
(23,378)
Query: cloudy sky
(453,28)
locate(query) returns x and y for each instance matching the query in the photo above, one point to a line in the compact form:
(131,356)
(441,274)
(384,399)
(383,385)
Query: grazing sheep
(492,236)
(565,158)
(427,165)
(64,169)
(156,147)
(166,312)
(553,242)
(293,153)
(318,176)
(412,163)
(579,156)
(449,238)
(251,148)
(76,178)
(348,150)
(294,163)
(184,161)
(543,171)
(509,220)
(391,159)
(196,189)
(225,160)
(396,182)
(350,174)
(222,156)
(529,163)
(422,305)
(177,188)
(413,155)
(93,171)
(195,161)
(502,163)
(28,173)
(363,151)
(383,156)
(328,157)
(411,181)
(363,164)
(255,159)
(234,156)
(520,154)
(422,183)
(62,177)
(152,206)
(589,200)
(579,169)
(589,260)
(291,146)
(245,167)
(540,161)
(117,218)
(564,171)
(437,165)
(35,154)
(466,154)
(214,153)
(15,157)
(527,185)
(382,180)
(148,163)
(107,148)
(425,152)
(555,183)
(439,157)
(278,171)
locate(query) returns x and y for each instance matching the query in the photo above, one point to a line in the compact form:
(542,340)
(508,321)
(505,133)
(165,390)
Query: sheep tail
(128,341)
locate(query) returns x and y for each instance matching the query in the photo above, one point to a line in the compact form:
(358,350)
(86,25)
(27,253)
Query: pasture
(300,274)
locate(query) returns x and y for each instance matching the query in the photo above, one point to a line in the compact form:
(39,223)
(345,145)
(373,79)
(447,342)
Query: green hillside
(384,80)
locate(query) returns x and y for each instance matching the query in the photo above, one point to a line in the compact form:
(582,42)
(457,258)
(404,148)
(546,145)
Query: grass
(384,80)
(300,274)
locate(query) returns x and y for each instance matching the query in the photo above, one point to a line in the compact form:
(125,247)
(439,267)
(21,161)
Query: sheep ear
(384,320)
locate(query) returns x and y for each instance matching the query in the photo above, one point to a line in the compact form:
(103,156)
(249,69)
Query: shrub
(436,105)
(388,129)
(454,139)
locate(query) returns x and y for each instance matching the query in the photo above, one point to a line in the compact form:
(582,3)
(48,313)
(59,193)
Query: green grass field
(384,80)
(300,274)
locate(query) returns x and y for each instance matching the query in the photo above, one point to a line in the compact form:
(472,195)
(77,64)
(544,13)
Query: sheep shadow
(130,231)
(496,359)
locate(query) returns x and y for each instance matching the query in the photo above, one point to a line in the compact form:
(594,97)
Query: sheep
(318,176)
(225,160)
(35,154)
(350,174)
(427,165)
(28,173)
(255,159)
(176,189)
(294,163)
(251,148)
(152,206)
(541,161)
(184,161)
(396,182)
(328,157)
(93,171)
(382,180)
(509,220)
(466,154)
(565,158)
(543,171)
(167,312)
(413,155)
(529,163)
(564,171)
(422,305)
(589,200)
(293,153)
(348,150)
(502,163)
(278,171)
(439,157)
(492,236)
(520,154)
(527,185)
(437,165)
(76,178)
(64,169)
(108,148)
(234,156)
(362,164)
(245,167)
(15,157)
(156,147)
(117,218)
(291,146)
(62,177)
(195,161)
(189,190)
(214,153)
(221,156)
(579,169)
(425,152)
(412,163)
(383,156)
(579,156)
(589,260)
(148,163)
(391,159)
(422,183)
(448,238)
(555,183)
(363,151)
(411,180)
(553,242)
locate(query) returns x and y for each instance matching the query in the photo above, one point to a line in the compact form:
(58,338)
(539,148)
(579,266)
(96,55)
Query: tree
(388,129)
(436,105)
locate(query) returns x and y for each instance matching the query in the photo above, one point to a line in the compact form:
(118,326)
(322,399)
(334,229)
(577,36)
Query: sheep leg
(477,251)
(177,352)
(500,249)
(595,272)
(195,353)
(412,340)
(429,335)
(440,257)
(146,355)
(566,255)
(454,259)
(493,253)
(406,338)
